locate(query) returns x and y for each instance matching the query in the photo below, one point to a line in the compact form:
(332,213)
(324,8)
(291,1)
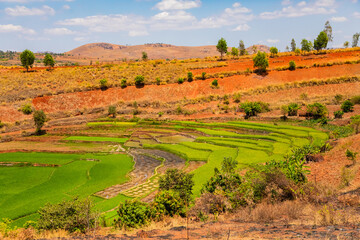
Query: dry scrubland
(90,148)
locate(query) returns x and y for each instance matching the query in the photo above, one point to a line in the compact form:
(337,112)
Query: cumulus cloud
(339,19)
(10,28)
(273,40)
(59,31)
(24,11)
(242,27)
(356,14)
(166,5)
(66,7)
(302,9)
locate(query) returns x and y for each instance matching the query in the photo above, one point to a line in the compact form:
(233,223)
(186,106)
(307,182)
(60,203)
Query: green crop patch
(96,139)
(38,157)
(118,124)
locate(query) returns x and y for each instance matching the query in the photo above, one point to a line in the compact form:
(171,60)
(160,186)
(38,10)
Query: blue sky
(61,25)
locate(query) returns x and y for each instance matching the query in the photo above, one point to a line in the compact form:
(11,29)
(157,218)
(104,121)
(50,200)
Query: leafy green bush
(139,81)
(253,108)
(347,106)
(203,75)
(178,181)
(168,203)
(73,215)
(338,114)
(190,77)
(112,111)
(316,111)
(180,80)
(123,83)
(293,109)
(292,65)
(103,84)
(261,62)
(215,84)
(27,109)
(133,214)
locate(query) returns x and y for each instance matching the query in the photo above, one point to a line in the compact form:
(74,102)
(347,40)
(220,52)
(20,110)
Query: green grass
(119,124)
(32,187)
(36,157)
(96,139)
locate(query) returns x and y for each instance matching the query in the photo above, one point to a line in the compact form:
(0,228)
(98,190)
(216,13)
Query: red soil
(176,92)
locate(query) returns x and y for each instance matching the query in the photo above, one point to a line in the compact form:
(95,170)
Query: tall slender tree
(355,39)
(328,31)
(242,50)
(293,45)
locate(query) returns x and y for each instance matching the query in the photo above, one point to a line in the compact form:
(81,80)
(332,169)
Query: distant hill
(107,51)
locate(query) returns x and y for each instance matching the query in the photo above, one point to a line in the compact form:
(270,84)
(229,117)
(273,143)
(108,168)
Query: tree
(355,39)
(242,50)
(177,181)
(293,45)
(112,111)
(346,44)
(144,56)
(27,58)
(260,61)
(139,81)
(305,45)
(292,65)
(328,31)
(274,51)
(49,61)
(39,119)
(222,47)
(287,49)
(234,52)
(321,41)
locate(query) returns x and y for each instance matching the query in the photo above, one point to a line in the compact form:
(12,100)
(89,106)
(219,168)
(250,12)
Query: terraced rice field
(134,160)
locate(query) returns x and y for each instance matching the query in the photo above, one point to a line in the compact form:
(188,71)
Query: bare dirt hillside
(107,51)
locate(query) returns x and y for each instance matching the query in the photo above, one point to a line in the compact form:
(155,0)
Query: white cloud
(242,27)
(302,9)
(286,2)
(79,39)
(66,7)
(356,14)
(59,31)
(339,19)
(273,40)
(166,5)
(10,28)
(138,33)
(24,11)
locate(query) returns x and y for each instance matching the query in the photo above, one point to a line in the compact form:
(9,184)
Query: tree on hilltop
(222,47)
(27,59)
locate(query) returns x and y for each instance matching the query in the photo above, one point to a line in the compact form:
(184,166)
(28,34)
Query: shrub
(39,119)
(177,181)
(180,80)
(190,77)
(251,108)
(237,97)
(168,203)
(347,106)
(293,109)
(338,114)
(73,215)
(133,214)
(103,84)
(123,83)
(316,111)
(338,98)
(214,84)
(261,62)
(203,75)
(27,109)
(292,65)
(158,81)
(139,81)
(112,111)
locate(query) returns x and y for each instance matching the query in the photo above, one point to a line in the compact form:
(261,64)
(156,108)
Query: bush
(139,81)
(338,98)
(253,108)
(103,84)
(292,65)
(39,119)
(203,75)
(112,111)
(133,214)
(177,181)
(237,97)
(190,77)
(180,80)
(27,109)
(293,109)
(316,111)
(338,114)
(73,215)
(168,203)
(123,83)
(347,106)
(158,81)
(261,62)
(214,84)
